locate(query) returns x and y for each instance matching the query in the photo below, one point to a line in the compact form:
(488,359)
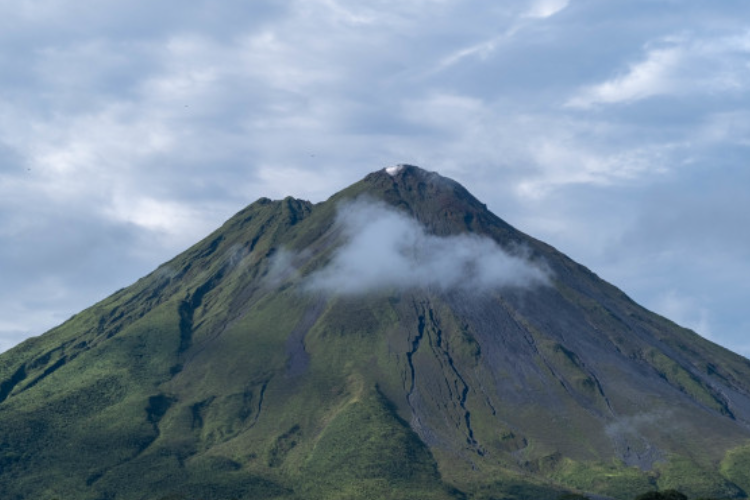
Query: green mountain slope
(261,363)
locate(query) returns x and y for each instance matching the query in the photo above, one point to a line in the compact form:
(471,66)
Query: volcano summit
(395,341)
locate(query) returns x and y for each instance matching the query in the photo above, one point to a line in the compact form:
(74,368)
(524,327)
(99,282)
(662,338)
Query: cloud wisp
(385,249)
(677,66)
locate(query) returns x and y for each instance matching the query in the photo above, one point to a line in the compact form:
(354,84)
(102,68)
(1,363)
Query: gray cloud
(386,249)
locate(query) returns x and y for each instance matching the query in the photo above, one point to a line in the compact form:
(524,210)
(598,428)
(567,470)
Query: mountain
(395,341)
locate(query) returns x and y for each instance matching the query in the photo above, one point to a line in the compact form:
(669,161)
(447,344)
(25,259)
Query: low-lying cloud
(386,249)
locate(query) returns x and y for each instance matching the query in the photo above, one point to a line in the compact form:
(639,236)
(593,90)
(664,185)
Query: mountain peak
(395,169)
(439,203)
(405,168)
(405,173)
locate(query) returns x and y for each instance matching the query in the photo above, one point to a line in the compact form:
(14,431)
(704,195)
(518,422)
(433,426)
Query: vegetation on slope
(219,376)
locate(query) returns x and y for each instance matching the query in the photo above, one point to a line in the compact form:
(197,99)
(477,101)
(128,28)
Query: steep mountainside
(395,341)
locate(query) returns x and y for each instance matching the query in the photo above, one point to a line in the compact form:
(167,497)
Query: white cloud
(653,76)
(538,10)
(385,249)
(348,15)
(568,161)
(159,216)
(481,49)
(676,65)
(538,153)
(546,8)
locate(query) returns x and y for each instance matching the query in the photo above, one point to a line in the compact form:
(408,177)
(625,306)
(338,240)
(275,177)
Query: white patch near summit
(385,249)
(394,170)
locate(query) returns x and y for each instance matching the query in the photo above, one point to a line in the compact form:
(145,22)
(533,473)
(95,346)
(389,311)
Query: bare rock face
(398,340)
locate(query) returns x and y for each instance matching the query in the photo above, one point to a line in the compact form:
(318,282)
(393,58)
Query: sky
(617,131)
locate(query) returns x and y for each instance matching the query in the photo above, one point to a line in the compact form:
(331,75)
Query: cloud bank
(386,249)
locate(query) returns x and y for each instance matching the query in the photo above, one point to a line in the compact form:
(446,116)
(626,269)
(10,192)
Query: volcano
(395,341)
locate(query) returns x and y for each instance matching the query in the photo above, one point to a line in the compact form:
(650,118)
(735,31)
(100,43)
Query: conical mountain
(396,341)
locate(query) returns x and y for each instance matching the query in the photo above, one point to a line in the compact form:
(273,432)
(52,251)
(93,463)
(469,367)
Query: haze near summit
(385,249)
(615,131)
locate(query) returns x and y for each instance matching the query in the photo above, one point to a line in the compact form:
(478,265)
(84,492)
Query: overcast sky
(617,131)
